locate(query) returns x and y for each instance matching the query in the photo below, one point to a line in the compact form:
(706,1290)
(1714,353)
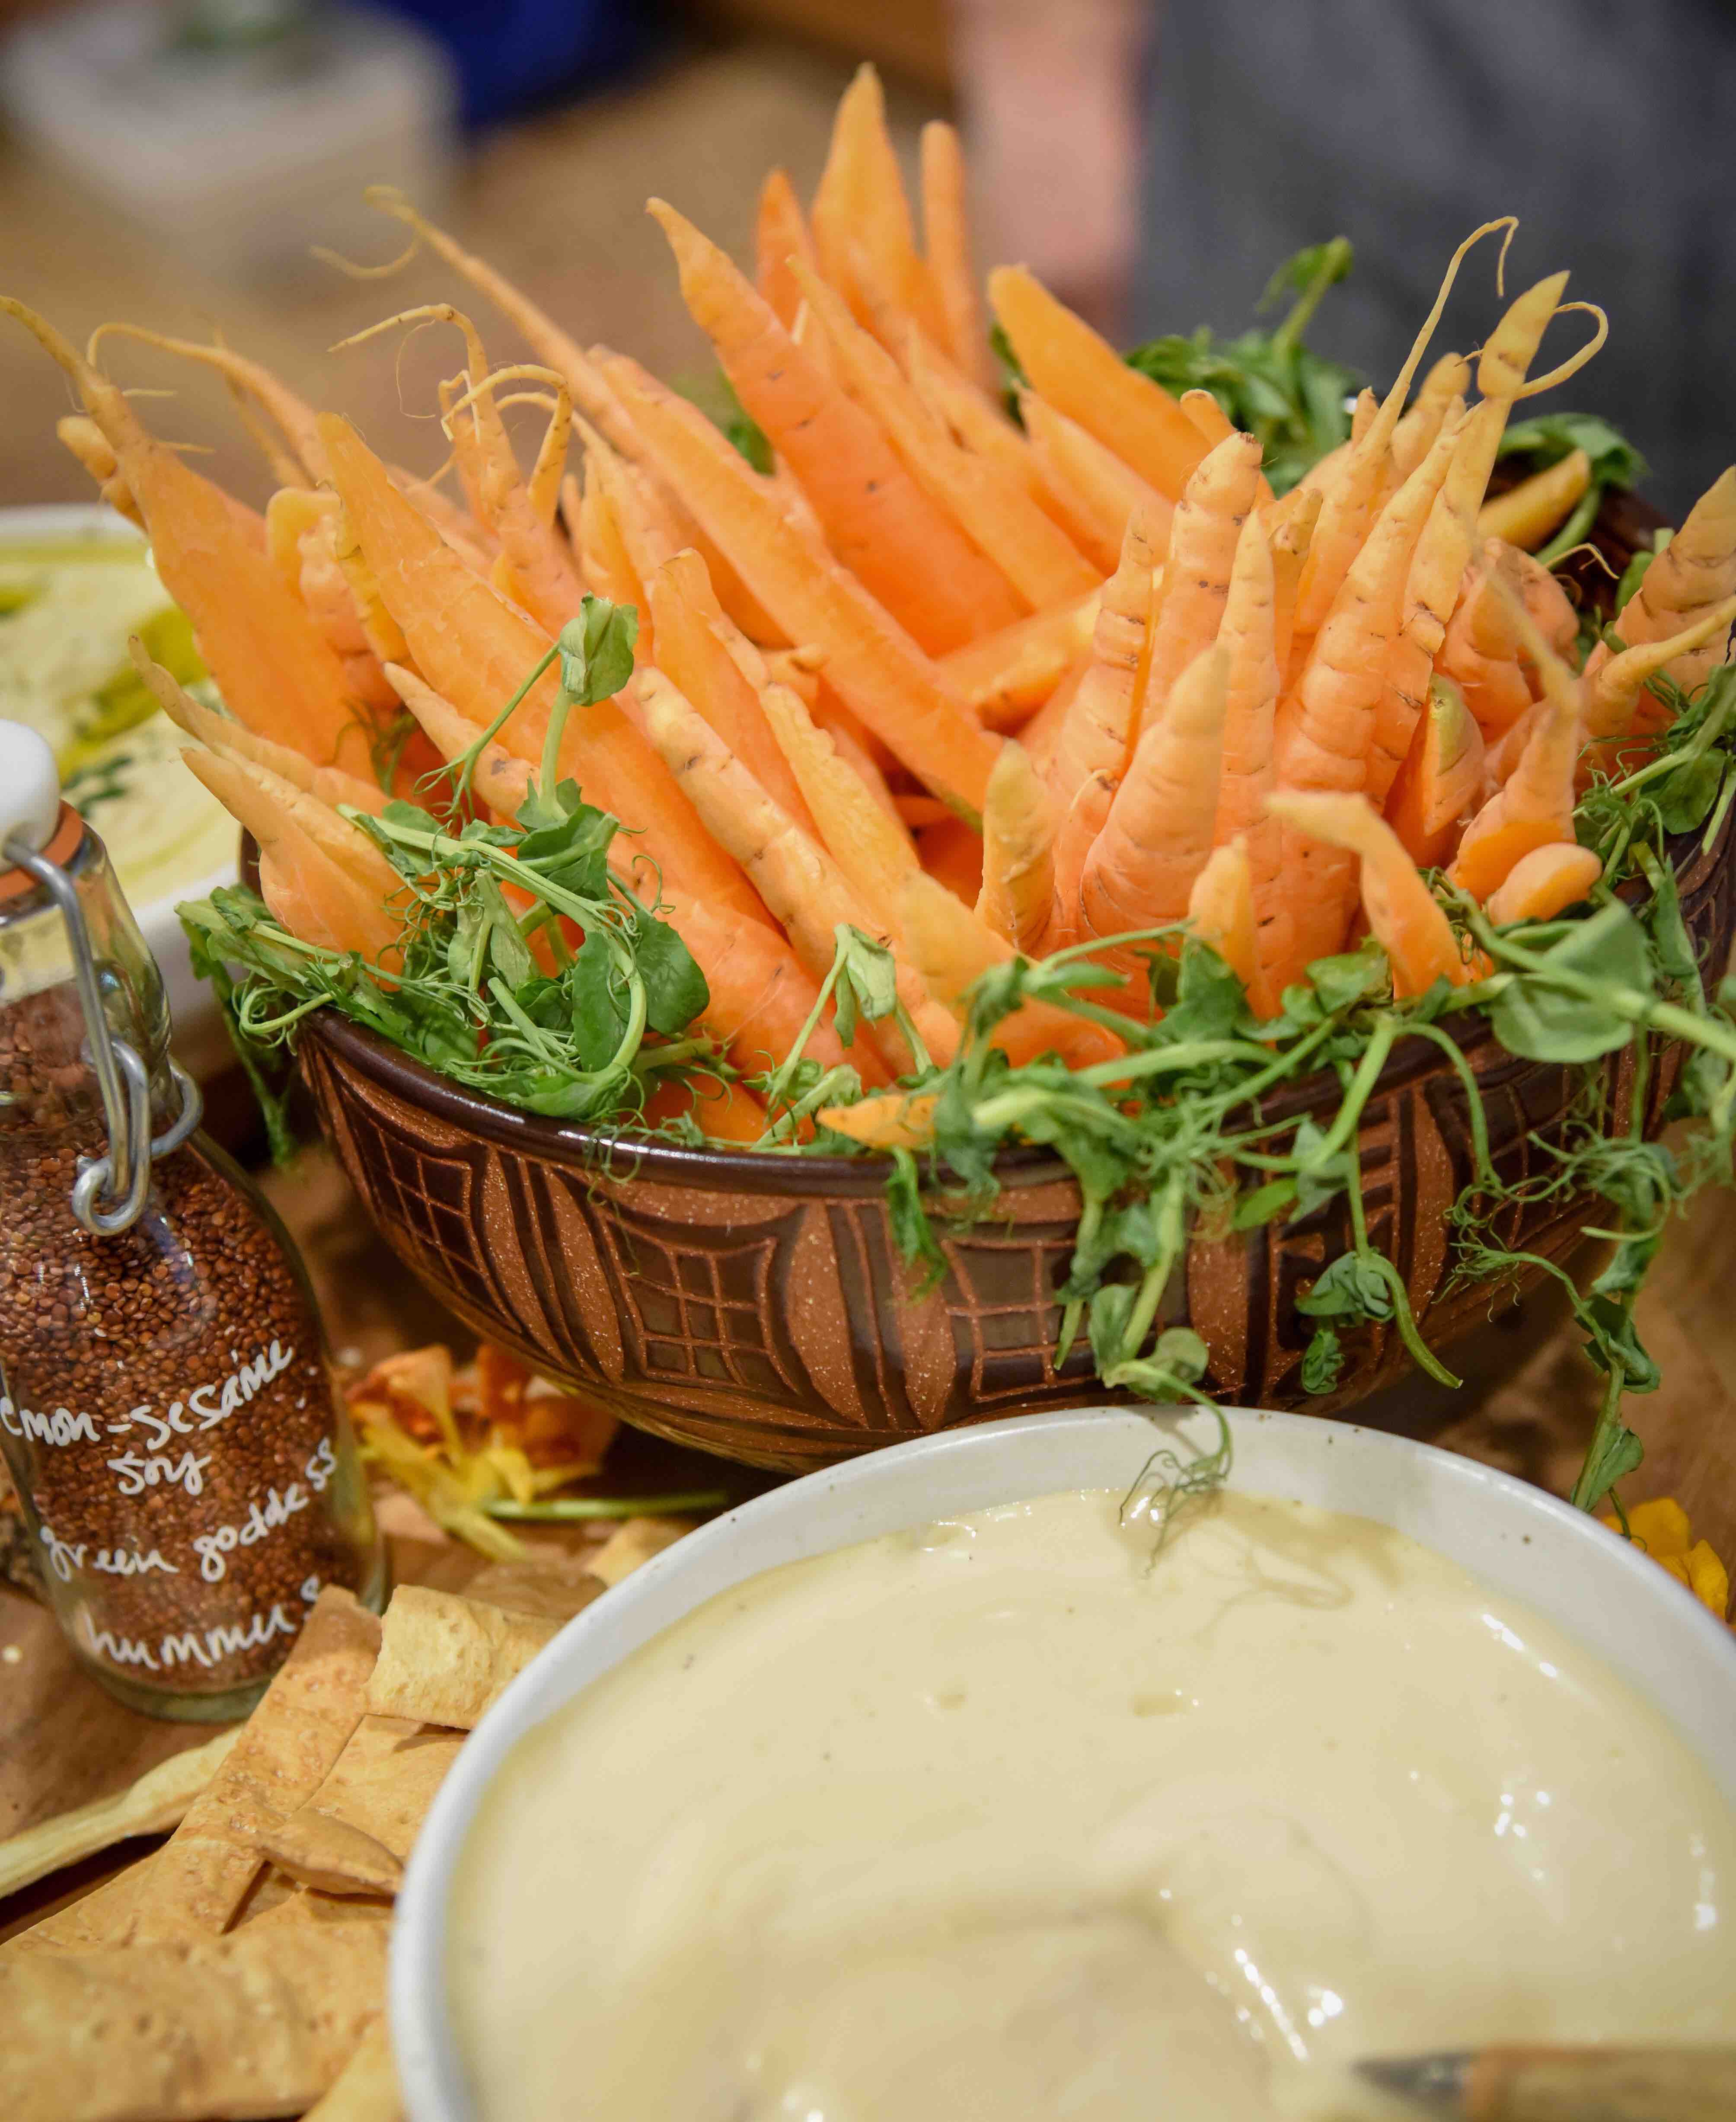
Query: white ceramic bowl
(1519,1540)
(200,1044)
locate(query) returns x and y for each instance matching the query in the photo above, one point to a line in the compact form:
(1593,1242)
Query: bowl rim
(1624,1610)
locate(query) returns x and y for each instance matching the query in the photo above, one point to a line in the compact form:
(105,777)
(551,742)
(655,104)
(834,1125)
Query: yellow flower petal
(1708,1579)
(1661,1527)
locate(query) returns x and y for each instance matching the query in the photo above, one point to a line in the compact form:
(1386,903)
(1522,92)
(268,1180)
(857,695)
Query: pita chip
(355,1834)
(444,1658)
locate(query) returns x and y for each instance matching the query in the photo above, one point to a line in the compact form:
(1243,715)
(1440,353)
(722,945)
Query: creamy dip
(995,1819)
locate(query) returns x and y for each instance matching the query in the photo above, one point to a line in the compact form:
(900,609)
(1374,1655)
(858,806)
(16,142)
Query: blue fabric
(513,54)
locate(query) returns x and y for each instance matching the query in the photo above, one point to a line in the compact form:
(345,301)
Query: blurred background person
(1155,162)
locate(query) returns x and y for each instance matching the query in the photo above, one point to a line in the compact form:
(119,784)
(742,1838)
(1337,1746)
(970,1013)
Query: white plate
(200,1044)
(1519,1541)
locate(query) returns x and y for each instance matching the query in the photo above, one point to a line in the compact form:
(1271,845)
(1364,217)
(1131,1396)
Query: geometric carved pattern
(756,1307)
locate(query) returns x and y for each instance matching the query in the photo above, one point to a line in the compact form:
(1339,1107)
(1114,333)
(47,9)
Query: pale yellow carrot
(871,848)
(1535,804)
(1097,735)
(1526,514)
(1695,571)
(1328,736)
(1219,499)
(1221,912)
(1545,883)
(897,1120)
(952,949)
(1449,378)
(1615,686)
(1017,899)
(1291,539)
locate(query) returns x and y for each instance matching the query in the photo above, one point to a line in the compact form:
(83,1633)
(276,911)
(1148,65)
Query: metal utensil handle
(123,1173)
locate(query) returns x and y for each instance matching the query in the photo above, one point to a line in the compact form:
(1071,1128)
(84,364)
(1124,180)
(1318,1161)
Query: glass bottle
(167,1409)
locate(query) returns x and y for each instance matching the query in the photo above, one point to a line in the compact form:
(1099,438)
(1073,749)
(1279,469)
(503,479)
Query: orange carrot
(476,651)
(1218,500)
(1292,537)
(542,575)
(781,234)
(1213,424)
(1221,912)
(1535,804)
(1083,376)
(951,950)
(475,545)
(899,1119)
(1440,783)
(1328,734)
(609,567)
(1403,915)
(1017,898)
(294,417)
(1545,883)
(798,880)
(878,521)
(1479,652)
(761,997)
(1695,573)
(991,509)
(721,1109)
(1092,492)
(1004,676)
(946,234)
(977,418)
(952,851)
(1348,507)
(1246,635)
(861,202)
(275,672)
(836,805)
(878,671)
(1158,834)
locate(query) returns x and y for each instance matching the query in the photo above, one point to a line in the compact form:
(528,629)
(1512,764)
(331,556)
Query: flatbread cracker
(259,2024)
(633,1544)
(444,1658)
(368,2089)
(355,1834)
(286,1751)
(556,1587)
(157,1802)
(95,1919)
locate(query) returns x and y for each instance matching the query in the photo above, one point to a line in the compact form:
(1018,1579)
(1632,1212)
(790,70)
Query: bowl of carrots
(940,890)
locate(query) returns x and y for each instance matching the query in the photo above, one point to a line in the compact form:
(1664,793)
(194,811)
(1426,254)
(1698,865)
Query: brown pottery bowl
(756,1306)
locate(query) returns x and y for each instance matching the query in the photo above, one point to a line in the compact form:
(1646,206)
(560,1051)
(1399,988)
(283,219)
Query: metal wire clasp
(109,1194)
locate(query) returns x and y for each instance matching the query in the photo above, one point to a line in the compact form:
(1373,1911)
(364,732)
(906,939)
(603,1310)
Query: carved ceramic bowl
(756,1306)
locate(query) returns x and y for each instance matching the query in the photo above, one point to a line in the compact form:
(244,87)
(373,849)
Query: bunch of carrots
(971,684)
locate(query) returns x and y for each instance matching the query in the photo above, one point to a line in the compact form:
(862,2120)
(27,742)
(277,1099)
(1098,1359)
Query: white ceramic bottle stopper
(30,788)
